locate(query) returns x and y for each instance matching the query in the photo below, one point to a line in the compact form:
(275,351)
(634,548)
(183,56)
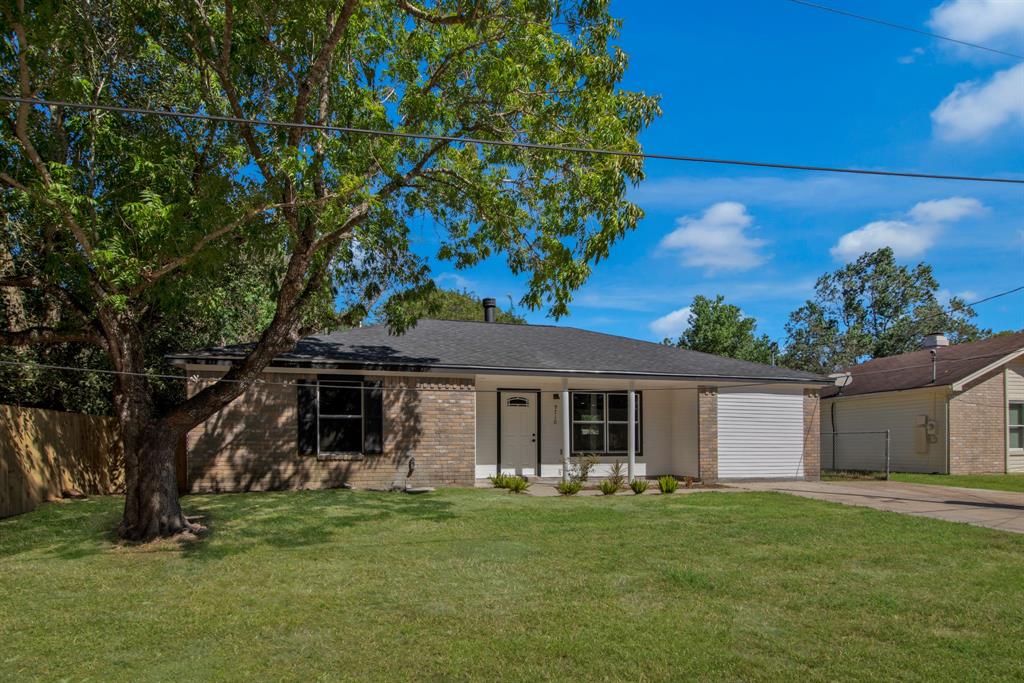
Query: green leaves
(870,308)
(722,329)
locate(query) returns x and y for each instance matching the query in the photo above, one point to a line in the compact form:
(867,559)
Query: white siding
(760,435)
(901,413)
(1015,381)
(486,434)
(685,458)
(1015,392)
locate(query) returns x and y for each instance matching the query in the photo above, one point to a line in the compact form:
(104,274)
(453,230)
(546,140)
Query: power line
(903,27)
(502,143)
(972,304)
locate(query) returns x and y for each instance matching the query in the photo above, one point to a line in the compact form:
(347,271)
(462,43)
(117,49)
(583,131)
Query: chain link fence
(857,451)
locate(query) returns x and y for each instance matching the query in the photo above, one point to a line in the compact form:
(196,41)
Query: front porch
(527,426)
(538,426)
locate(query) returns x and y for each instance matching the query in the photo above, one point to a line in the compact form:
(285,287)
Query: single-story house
(450,402)
(954,409)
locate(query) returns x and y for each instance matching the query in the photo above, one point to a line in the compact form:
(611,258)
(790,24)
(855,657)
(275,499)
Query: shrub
(517,484)
(639,485)
(568,488)
(668,484)
(617,476)
(581,469)
(608,487)
(688,482)
(499,481)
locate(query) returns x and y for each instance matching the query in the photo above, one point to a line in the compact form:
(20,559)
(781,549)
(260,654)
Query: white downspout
(631,438)
(566,430)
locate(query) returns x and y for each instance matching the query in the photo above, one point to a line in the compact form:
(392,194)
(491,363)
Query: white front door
(518,432)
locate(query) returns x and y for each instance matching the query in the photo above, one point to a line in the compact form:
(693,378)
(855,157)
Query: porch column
(566,430)
(631,438)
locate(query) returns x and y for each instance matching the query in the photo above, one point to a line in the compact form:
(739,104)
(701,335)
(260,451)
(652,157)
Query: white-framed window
(600,422)
(1016,426)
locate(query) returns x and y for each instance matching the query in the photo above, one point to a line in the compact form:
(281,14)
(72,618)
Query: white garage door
(760,435)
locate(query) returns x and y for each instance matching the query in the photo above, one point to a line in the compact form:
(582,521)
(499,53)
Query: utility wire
(972,304)
(501,143)
(903,27)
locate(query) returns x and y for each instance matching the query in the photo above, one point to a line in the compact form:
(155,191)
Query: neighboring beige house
(951,409)
(449,402)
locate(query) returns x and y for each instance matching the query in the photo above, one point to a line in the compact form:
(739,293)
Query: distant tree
(872,308)
(461,304)
(722,329)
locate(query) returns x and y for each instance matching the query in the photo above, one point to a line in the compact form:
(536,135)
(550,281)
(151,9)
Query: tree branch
(46,335)
(151,276)
(423,15)
(317,68)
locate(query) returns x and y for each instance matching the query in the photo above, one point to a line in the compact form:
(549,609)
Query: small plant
(668,484)
(608,487)
(568,488)
(639,485)
(688,482)
(616,475)
(517,484)
(580,470)
(499,480)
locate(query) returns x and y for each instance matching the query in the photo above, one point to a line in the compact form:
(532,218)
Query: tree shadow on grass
(297,519)
(237,523)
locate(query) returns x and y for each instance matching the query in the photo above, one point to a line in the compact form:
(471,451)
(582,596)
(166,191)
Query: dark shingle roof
(914,370)
(479,346)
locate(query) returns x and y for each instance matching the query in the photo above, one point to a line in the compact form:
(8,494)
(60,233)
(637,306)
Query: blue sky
(771,80)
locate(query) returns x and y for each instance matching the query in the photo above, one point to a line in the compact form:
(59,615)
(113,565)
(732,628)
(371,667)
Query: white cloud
(672,324)
(912,57)
(908,237)
(974,109)
(945,210)
(981,21)
(456,280)
(717,240)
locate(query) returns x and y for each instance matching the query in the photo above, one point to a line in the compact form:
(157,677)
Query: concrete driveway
(1002,510)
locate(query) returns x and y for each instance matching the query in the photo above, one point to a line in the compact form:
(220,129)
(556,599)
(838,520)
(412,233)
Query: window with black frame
(600,422)
(340,416)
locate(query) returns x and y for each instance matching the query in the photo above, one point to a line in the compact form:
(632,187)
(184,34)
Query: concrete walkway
(1002,510)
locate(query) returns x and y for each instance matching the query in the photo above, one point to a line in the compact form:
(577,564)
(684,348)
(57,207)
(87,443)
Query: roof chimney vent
(935,340)
(489,306)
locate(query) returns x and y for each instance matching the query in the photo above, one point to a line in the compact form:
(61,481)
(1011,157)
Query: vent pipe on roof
(489,307)
(935,340)
(934,363)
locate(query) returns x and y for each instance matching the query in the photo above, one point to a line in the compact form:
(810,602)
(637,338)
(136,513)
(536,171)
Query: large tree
(870,308)
(113,220)
(720,328)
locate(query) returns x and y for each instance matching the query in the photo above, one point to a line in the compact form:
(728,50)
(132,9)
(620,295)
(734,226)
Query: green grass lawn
(482,584)
(995,482)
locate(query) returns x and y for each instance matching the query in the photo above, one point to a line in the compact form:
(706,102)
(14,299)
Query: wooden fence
(43,452)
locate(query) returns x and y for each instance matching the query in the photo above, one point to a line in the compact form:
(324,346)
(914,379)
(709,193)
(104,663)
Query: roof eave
(180,360)
(960,384)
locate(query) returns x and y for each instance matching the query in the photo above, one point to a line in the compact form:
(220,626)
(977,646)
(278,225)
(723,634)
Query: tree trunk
(151,507)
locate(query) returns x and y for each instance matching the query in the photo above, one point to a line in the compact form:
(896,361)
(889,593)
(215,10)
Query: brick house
(956,409)
(451,402)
